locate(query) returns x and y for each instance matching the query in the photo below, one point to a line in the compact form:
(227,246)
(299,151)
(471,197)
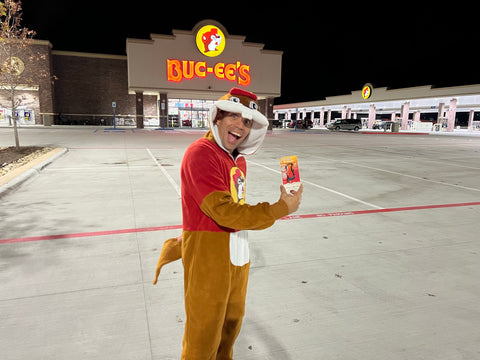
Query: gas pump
(441,124)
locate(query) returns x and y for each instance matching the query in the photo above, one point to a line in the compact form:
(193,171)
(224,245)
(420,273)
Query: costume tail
(171,251)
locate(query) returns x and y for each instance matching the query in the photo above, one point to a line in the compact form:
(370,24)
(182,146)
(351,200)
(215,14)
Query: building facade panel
(34,89)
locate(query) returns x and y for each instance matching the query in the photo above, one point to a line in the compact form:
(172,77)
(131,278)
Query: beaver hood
(245,103)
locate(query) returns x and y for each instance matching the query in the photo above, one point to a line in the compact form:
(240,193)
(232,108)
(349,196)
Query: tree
(15,43)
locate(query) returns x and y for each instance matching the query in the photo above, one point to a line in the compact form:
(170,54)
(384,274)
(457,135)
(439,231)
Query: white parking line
(169,178)
(411,176)
(323,187)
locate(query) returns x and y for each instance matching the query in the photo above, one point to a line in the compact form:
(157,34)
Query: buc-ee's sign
(179,70)
(210,42)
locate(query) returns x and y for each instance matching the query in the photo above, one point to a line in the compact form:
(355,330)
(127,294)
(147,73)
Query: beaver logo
(366,91)
(210,40)
(237,185)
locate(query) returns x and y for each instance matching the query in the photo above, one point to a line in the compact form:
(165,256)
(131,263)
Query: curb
(29,172)
(394,133)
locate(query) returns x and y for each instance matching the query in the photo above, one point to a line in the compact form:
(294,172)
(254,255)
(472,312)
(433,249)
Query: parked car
(345,124)
(301,124)
(384,125)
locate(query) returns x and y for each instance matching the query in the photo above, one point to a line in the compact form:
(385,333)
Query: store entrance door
(193,118)
(189,113)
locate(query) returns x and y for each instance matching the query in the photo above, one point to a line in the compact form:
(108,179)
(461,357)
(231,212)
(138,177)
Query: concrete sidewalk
(381,261)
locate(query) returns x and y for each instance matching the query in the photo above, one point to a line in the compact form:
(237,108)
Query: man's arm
(220,206)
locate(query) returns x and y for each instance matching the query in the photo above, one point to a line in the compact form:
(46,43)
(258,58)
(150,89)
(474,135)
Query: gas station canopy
(397,103)
(423,98)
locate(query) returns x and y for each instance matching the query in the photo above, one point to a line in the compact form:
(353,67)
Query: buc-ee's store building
(164,81)
(186,71)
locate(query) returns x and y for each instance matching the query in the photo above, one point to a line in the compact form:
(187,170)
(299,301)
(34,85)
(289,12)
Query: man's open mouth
(235,135)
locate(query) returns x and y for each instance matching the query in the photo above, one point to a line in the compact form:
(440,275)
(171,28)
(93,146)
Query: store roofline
(88,55)
(385,94)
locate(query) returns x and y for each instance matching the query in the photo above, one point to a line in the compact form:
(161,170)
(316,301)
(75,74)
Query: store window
(24,116)
(188,113)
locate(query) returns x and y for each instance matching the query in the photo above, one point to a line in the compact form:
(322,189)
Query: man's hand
(293,199)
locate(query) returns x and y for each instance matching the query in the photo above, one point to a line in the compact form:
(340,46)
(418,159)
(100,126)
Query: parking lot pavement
(380,262)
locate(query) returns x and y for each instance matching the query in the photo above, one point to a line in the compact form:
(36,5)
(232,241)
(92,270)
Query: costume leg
(207,288)
(234,312)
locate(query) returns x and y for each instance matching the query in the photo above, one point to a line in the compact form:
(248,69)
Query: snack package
(290,174)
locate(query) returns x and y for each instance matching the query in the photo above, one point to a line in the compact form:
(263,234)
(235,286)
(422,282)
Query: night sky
(327,52)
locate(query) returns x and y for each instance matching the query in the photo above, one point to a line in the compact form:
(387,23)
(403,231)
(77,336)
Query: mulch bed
(11,159)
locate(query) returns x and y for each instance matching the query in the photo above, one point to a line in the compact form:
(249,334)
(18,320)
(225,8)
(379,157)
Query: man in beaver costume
(213,245)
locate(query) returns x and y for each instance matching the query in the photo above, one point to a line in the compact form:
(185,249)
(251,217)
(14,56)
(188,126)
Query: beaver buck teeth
(238,136)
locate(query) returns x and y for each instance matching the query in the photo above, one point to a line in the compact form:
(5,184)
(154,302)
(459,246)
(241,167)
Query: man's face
(233,129)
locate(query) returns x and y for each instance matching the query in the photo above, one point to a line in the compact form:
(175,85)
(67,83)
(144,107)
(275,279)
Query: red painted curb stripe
(89,234)
(176,227)
(374,211)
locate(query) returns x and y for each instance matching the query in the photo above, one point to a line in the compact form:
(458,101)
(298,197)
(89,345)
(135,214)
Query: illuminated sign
(179,70)
(210,40)
(367,91)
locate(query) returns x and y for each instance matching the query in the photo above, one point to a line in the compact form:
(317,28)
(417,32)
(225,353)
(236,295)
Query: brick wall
(42,69)
(86,86)
(77,88)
